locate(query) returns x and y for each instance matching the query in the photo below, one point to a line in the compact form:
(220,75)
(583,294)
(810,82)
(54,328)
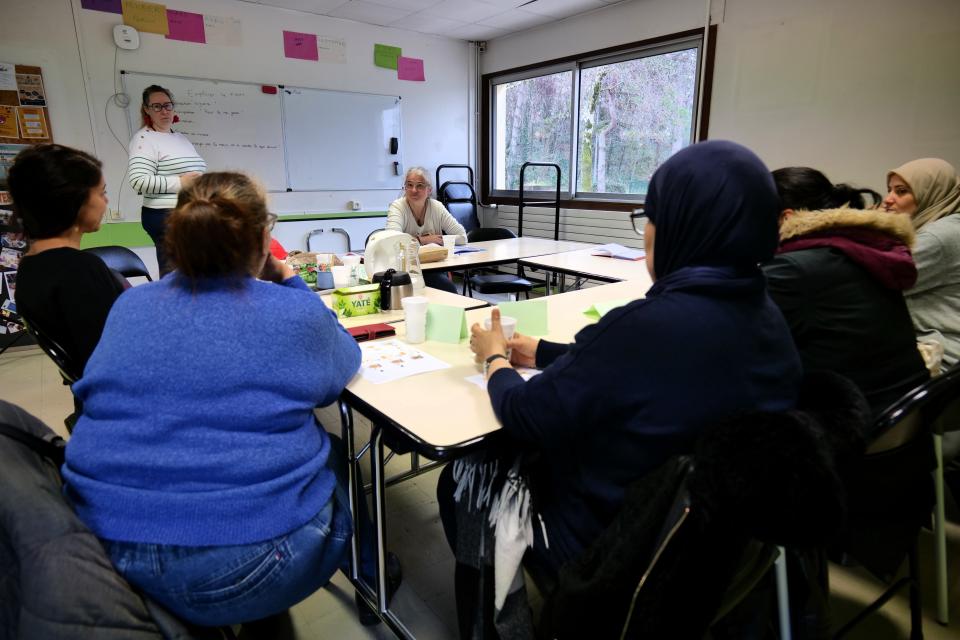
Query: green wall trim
(125,234)
(131,234)
(328,216)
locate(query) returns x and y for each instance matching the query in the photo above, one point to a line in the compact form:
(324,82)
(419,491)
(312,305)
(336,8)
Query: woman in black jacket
(838,277)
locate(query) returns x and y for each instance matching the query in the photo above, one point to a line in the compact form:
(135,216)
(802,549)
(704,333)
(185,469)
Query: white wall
(851,87)
(41,32)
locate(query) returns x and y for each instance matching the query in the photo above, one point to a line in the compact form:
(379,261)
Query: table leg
(353,480)
(379,520)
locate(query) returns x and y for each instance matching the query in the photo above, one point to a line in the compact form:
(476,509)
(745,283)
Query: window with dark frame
(607,118)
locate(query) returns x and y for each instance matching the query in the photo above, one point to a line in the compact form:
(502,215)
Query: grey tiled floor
(425,600)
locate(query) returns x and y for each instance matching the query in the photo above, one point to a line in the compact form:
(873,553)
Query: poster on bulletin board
(24,118)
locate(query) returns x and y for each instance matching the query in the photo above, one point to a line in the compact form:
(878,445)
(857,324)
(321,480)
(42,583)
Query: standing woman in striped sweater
(162,162)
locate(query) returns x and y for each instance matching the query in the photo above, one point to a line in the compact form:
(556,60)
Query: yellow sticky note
(446,323)
(531,316)
(146,16)
(601,309)
(386,56)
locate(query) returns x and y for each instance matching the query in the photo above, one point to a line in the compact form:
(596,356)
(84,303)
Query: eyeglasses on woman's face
(638,218)
(415,186)
(157,107)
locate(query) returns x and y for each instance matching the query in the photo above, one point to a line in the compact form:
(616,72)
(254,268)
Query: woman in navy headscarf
(640,385)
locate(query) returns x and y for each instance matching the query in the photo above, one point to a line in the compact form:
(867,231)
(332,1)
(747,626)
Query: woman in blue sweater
(198,461)
(640,385)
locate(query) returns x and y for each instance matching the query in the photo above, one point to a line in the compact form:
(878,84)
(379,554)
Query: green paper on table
(531,316)
(446,323)
(601,309)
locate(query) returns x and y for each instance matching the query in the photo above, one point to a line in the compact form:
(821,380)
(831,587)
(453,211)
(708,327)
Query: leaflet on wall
(330,49)
(30,86)
(8,122)
(8,77)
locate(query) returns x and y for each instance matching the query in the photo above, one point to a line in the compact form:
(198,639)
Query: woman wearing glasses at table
(162,162)
(424,218)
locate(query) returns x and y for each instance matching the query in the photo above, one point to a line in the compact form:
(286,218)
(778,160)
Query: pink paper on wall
(110,6)
(302,46)
(410,69)
(186,26)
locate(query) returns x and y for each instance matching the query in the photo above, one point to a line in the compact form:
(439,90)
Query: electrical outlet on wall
(115,214)
(354,205)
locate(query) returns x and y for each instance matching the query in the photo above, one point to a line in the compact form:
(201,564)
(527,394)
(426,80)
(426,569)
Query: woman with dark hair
(58,195)
(617,403)
(838,277)
(198,461)
(162,162)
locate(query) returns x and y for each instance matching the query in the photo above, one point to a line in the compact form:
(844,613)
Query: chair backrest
(333,240)
(490,233)
(461,201)
(932,407)
(122,260)
(890,488)
(69,368)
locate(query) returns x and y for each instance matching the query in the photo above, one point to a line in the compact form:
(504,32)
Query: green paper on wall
(386,56)
(601,309)
(446,323)
(531,316)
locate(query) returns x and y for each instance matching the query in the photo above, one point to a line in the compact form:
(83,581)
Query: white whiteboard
(233,125)
(336,140)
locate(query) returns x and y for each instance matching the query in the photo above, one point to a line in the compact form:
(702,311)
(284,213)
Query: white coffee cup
(449,242)
(341,275)
(415,318)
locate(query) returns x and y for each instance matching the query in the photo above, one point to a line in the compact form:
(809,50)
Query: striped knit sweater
(157,160)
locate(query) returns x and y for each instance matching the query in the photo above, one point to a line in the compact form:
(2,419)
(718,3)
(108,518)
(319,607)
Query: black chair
(495,282)
(891,493)
(70,369)
(122,260)
(696,535)
(459,197)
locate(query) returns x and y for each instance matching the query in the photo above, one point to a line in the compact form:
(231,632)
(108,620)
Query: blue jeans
(439,280)
(154,222)
(213,586)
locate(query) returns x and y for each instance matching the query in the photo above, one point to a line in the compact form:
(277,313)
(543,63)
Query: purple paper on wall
(302,46)
(186,26)
(110,6)
(410,69)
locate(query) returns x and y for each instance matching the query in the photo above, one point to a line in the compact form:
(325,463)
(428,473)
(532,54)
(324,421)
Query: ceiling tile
(562,8)
(413,5)
(515,20)
(321,7)
(369,13)
(477,32)
(464,10)
(425,23)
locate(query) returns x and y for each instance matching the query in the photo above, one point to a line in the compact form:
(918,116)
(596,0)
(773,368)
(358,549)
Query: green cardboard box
(357,301)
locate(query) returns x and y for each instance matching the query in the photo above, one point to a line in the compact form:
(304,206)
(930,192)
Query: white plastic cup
(341,276)
(415,318)
(352,263)
(449,242)
(507,324)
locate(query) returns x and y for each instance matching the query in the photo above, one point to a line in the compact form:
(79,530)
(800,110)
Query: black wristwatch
(489,361)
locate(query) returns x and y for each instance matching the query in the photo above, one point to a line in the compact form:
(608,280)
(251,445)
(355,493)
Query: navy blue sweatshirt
(638,387)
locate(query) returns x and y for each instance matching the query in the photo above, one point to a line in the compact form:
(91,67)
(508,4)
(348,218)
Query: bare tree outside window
(632,110)
(536,128)
(633,116)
